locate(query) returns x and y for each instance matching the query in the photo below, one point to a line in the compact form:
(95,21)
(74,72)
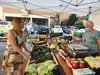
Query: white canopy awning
(55,6)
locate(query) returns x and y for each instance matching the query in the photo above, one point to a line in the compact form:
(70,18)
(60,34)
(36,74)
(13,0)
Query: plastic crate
(58,71)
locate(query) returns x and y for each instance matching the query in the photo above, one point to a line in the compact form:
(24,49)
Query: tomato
(82,64)
(72,60)
(75,65)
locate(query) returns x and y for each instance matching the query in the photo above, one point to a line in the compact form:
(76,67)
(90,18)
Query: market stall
(76,60)
(45,62)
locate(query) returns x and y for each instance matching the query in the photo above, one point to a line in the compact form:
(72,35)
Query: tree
(64,22)
(72,19)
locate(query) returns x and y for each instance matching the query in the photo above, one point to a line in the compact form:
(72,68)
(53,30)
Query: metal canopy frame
(57,6)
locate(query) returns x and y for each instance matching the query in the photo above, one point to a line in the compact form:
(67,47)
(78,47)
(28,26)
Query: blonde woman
(14,51)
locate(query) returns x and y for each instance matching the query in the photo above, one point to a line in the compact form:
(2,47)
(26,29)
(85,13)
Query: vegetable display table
(62,63)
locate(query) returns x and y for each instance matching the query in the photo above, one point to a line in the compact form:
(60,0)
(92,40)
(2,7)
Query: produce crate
(77,51)
(97,71)
(58,71)
(81,71)
(96,63)
(84,71)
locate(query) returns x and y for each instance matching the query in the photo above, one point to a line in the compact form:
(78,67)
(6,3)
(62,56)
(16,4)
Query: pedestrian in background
(29,27)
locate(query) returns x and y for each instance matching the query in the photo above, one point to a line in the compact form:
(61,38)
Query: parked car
(43,29)
(81,30)
(73,28)
(5,26)
(56,29)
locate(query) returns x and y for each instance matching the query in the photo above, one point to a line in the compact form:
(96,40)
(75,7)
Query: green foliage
(64,23)
(77,34)
(72,19)
(79,25)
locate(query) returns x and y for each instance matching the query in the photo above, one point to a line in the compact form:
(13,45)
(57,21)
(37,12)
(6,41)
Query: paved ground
(2,48)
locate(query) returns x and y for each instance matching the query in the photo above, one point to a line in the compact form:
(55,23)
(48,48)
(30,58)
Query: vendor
(91,38)
(13,55)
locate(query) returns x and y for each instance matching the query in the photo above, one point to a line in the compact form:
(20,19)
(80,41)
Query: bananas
(97,58)
(93,62)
